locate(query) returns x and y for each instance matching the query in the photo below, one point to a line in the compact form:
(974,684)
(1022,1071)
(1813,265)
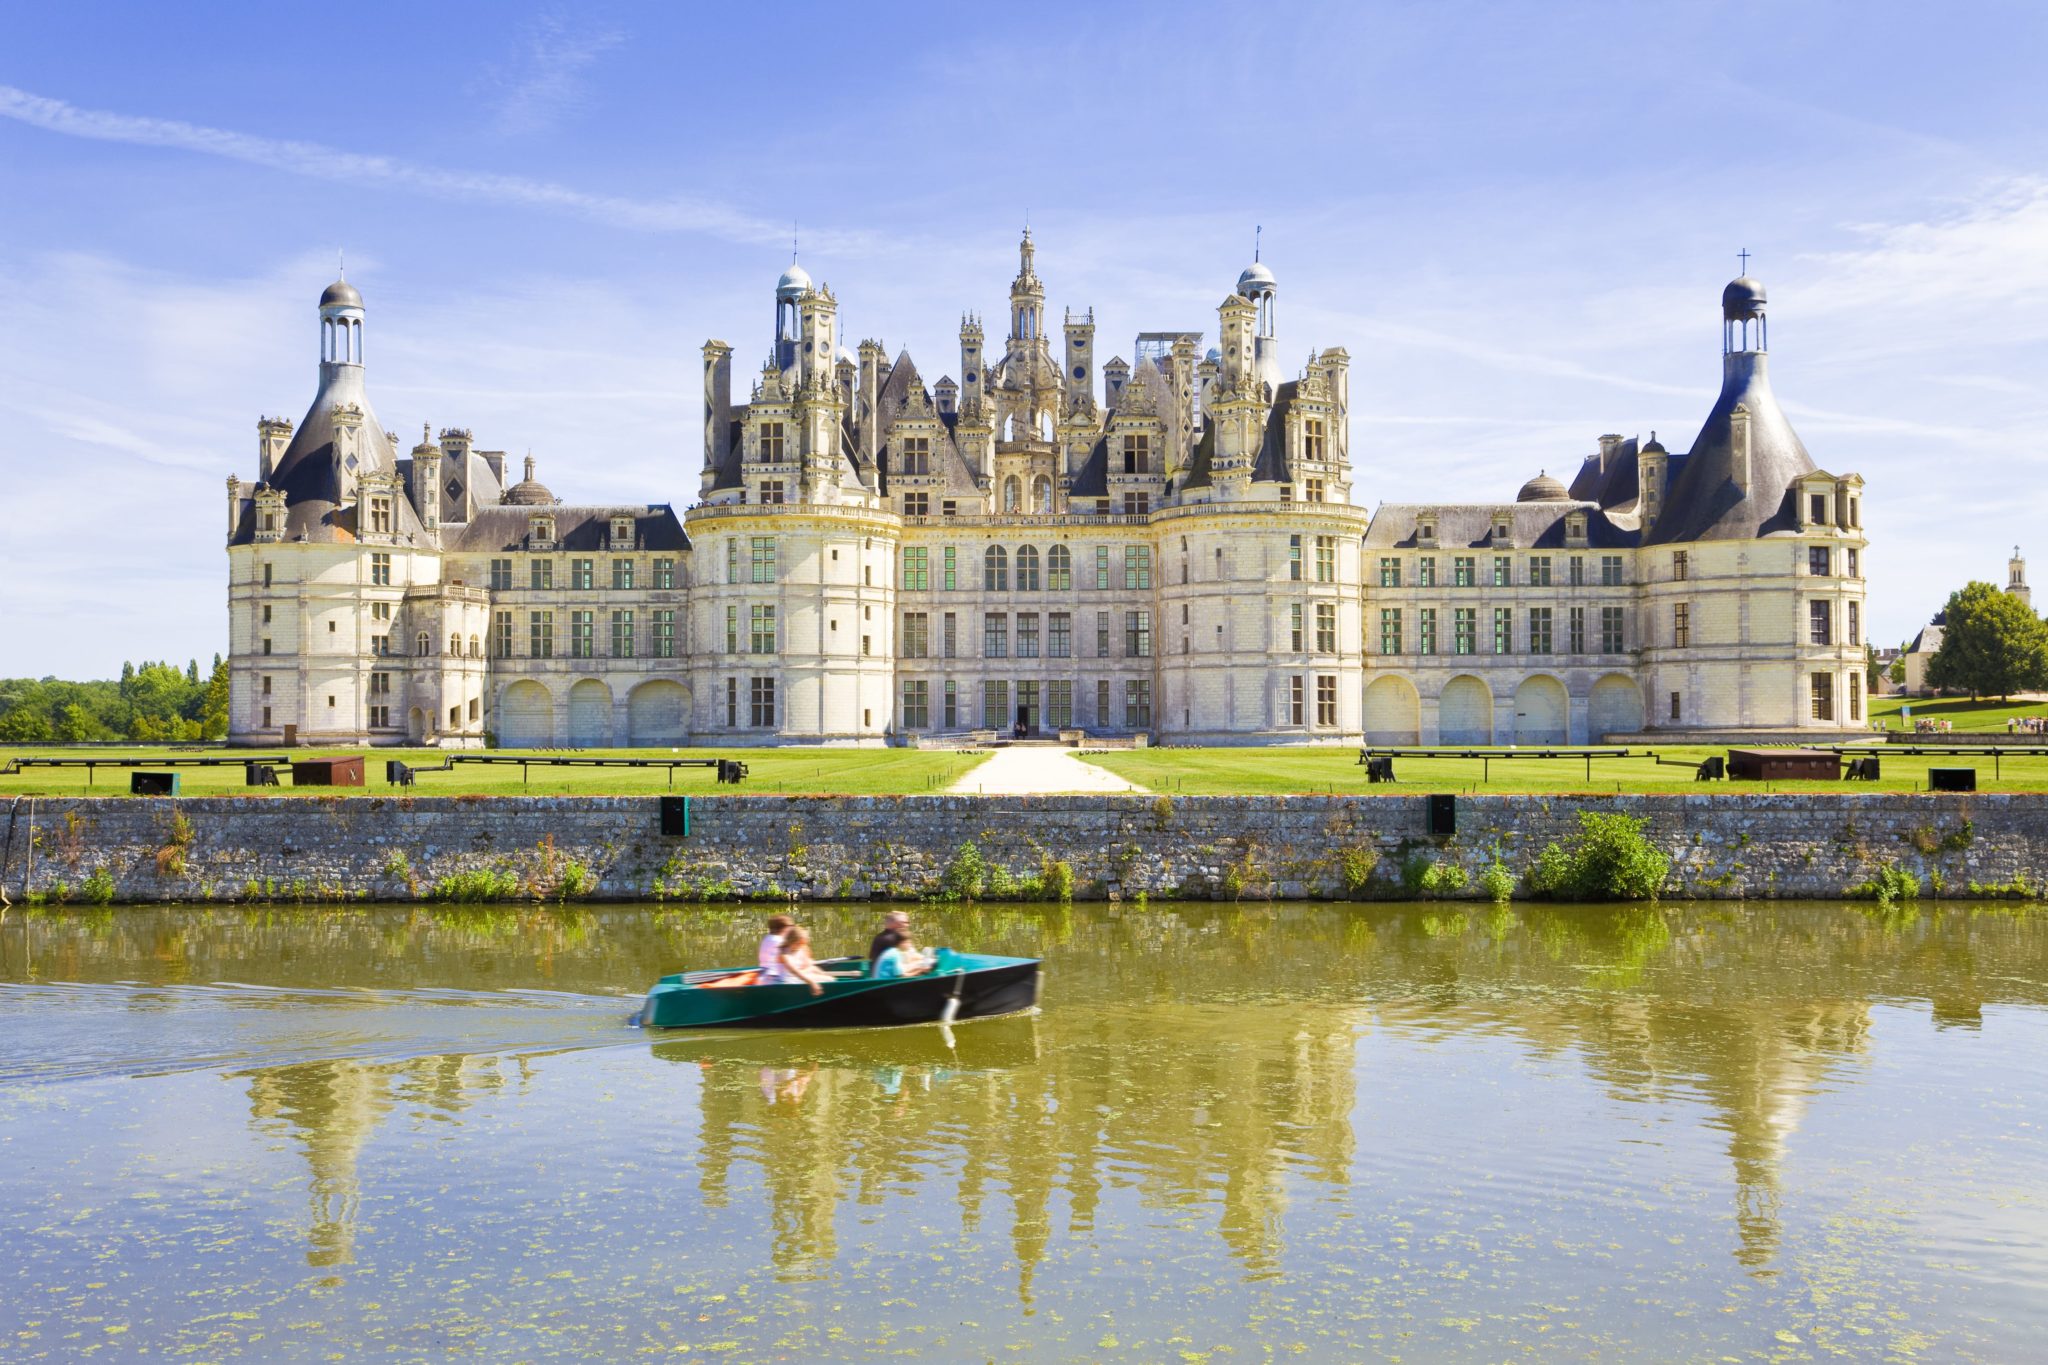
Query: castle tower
(426,479)
(1258,286)
(789,292)
(2016,579)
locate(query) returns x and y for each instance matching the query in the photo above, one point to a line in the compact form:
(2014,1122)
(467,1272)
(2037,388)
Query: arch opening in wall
(658,712)
(1615,707)
(1542,711)
(1464,712)
(526,716)
(1393,711)
(416,725)
(590,714)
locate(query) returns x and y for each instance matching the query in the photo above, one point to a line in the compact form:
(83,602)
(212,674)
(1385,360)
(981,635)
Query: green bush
(1609,859)
(1056,880)
(966,875)
(1497,882)
(477,884)
(1356,866)
(1440,879)
(576,880)
(98,889)
(1889,886)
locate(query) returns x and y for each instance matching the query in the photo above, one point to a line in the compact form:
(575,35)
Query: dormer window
(622,533)
(1575,526)
(1425,532)
(1501,530)
(380,516)
(541,530)
(771,442)
(1314,441)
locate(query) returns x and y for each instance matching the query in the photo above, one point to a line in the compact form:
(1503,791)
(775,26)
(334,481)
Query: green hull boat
(960,986)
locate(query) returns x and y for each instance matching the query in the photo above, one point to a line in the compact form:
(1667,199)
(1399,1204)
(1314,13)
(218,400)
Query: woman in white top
(769,955)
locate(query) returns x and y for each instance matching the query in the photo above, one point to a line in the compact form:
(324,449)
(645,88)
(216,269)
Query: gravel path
(1037,772)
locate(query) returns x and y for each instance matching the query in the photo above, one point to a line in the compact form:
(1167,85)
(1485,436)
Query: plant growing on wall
(1609,859)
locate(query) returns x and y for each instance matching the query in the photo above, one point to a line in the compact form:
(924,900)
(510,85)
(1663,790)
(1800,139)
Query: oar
(951,1010)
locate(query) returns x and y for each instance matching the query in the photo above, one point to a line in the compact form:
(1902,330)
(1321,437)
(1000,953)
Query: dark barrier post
(675,816)
(1443,814)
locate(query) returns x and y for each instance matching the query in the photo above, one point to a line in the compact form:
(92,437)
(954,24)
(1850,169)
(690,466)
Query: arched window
(1059,569)
(1027,568)
(1013,493)
(1041,494)
(426,644)
(995,569)
(455,646)
(476,648)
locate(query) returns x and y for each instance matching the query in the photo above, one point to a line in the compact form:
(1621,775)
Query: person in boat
(769,955)
(895,931)
(797,962)
(904,958)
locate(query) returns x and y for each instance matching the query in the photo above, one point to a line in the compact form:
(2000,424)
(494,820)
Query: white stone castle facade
(1170,549)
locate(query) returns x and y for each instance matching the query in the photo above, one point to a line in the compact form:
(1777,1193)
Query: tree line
(151,703)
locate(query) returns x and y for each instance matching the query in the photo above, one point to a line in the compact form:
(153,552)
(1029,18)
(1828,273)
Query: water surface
(1310,1132)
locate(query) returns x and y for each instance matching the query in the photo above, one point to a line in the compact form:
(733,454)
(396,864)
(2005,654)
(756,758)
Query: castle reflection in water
(1207,1064)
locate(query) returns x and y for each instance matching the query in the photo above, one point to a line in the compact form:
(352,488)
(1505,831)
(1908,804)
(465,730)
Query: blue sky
(1516,217)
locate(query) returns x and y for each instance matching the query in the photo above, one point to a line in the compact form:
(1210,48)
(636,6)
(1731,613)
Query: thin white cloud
(676,214)
(545,83)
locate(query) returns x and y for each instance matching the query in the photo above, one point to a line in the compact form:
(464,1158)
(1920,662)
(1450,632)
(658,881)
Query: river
(1747,1132)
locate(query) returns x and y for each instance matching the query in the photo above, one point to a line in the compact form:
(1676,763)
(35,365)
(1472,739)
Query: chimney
(717,405)
(234,503)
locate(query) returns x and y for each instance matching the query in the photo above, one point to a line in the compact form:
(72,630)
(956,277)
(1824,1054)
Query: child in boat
(903,958)
(769,954)
(797,963)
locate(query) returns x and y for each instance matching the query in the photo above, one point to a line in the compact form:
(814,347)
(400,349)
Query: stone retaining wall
(387,848)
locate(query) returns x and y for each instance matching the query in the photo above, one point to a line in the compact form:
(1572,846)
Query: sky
(1517,218)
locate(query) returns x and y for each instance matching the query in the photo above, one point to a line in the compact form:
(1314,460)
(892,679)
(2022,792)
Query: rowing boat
(959,986)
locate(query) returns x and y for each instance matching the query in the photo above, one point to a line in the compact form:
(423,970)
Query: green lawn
(1960,712)
(1224,772)
(770,772)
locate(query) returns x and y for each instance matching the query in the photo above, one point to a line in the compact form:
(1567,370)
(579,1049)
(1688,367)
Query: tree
(1991,645)
(213,707)
(1873,671)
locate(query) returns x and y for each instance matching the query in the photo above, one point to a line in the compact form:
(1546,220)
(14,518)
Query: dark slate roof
(576,528)
(1469,526)
(1614,486)
(311,476)
(728,473)
(1704,501)
(1272,466)
(1199,462)
(947,461)
(1091,480)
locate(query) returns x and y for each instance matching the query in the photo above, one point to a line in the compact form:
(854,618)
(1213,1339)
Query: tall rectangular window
(1853,570)
(1102,716)
(1610,571)
(1102,635)
(1817,557)
(761,564)
(1463,572)
(771,445)
(1326,699)
(380,516)
(1425,571)
(1027,634)
(622,575)
(1820,623)
(1059,704)
(917,704)
(1823,686)
(1855,627)
(1297,700)
(1137,566)
(1294,559)
(1539,571)
(1326,627)
(501,575)
(995,704)
(951,641)
(664,633)
(501,634)
(1577,631)
(995,635)
(622,634)
(1296,636)
(540,634)
(732,703)
(916,456)
(540,575)
(380,570)
(1137,634)
(664,573)
(1681,566)
(1101,566)
(1539,630)
(995,569)
(1059,635)
(952,568)
(760,629)
(1326,559)
(732,559)
(1611,641)
(1465,630)
(1314,489)
(1578,571)
(732,628)
(1503,630)
(1681,624)
(1314,440)
(581,573)
(1855,696)
(582,634)
(1425,631)
(1503,575)
(950,718)
(761,698)
(1390,630)
(1138,703)
(1137,453)
(1390,572)
(917,570)
(917,627)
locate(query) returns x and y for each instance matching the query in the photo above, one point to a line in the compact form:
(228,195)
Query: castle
(1169,548)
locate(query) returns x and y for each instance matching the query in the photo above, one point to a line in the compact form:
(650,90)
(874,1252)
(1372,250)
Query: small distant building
(1922,650)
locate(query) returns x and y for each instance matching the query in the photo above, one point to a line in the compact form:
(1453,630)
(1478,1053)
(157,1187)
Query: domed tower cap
(1256,280)
(1543,488)
(794,284)
(1742,300)
(341,294)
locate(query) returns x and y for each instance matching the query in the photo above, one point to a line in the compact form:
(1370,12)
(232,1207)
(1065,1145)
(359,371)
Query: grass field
(1225,772)
(1960,712)
(770,772)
